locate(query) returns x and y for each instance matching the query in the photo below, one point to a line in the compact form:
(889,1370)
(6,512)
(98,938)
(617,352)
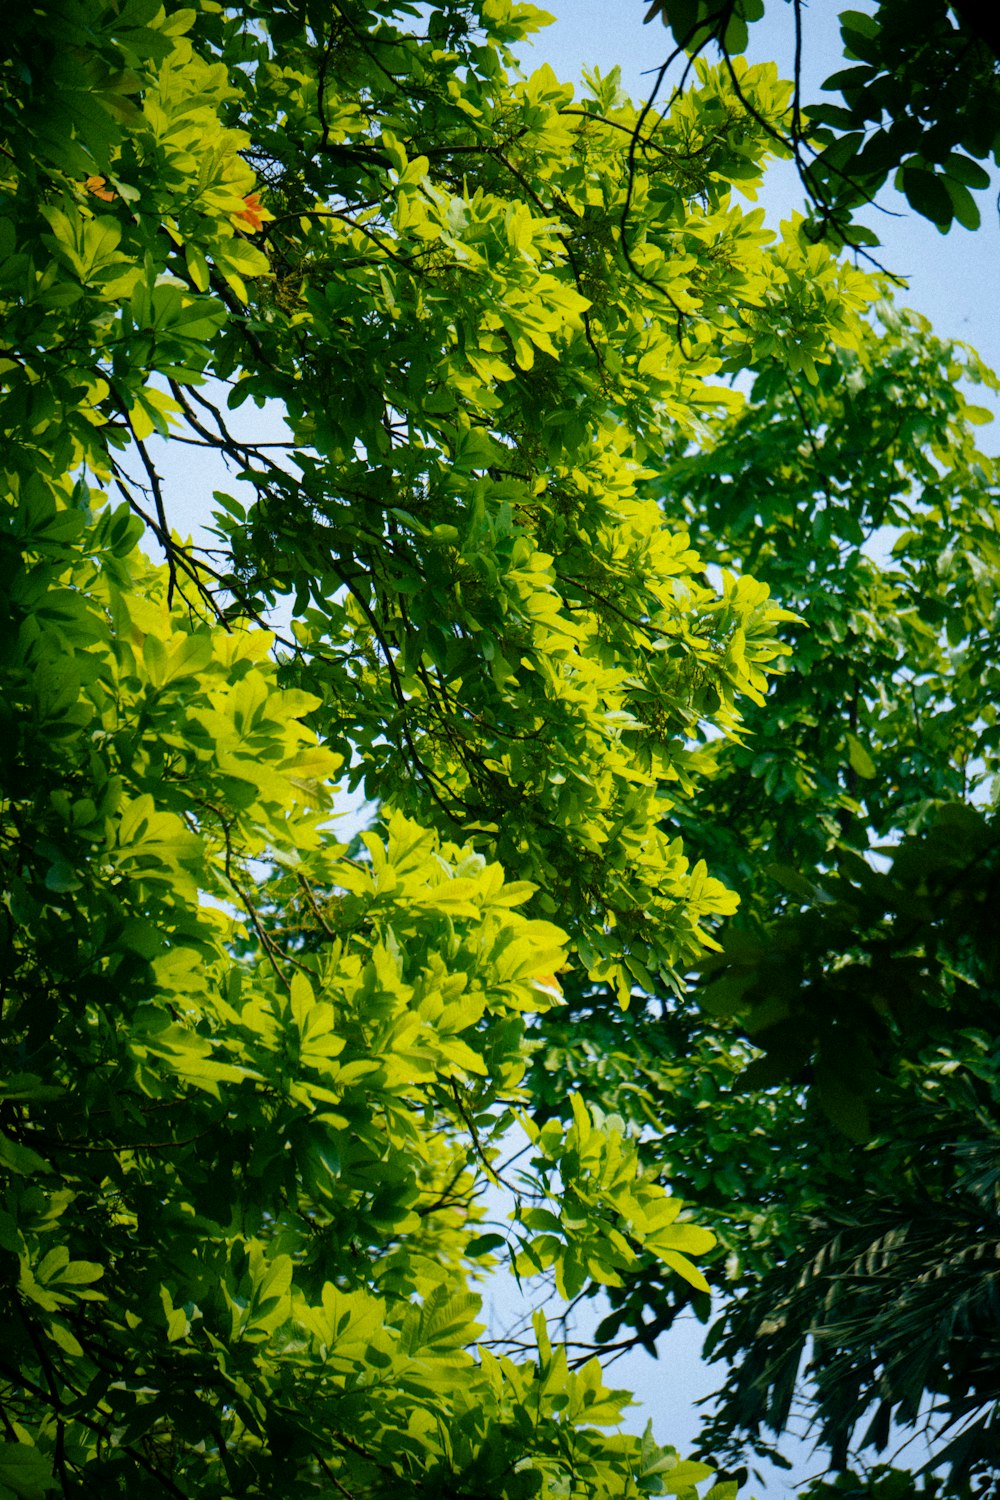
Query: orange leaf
(549,985)
(98,186)
(253,214)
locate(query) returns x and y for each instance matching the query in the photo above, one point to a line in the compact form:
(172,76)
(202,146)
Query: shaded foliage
(853,819)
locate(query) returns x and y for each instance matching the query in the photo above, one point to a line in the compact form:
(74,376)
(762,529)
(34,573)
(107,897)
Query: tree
(874,988)
(833,1108)
(887,995)
(920,102)
(254,1081)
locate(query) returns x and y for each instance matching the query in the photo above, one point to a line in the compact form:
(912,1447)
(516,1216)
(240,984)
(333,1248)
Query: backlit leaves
(256,1078)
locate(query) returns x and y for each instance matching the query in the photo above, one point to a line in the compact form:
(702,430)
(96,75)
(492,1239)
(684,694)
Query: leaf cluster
(254,1080)
(920,103)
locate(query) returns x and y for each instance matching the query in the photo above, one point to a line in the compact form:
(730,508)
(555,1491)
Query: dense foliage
(864,960)
(834,1107)
(255,1081)
(502,571)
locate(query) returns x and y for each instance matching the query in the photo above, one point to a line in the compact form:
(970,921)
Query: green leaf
(26,1471)
(965,208)
(21,1159)
(859,758)
(927,194)
(963,169)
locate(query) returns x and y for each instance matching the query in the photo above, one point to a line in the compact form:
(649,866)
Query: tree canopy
(919,101)
(520,572)
(832,1105)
